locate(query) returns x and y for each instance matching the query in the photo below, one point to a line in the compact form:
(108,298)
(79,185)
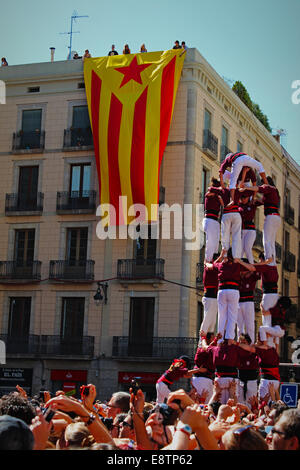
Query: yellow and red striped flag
(131,100)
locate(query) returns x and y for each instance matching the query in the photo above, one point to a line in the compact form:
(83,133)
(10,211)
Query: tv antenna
(71,32)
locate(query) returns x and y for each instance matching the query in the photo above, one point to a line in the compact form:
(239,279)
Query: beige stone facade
(55,89)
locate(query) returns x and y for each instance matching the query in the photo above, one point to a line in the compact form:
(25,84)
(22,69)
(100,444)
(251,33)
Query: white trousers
(263,388)
(211,228)
(248,239)
(201,384)
(228,307)
(269,300)
(224,383)
(231,224)
(210,310)
(252,388)
(162,392)
(271,226)
(237,166)
(246,319)
(276,332)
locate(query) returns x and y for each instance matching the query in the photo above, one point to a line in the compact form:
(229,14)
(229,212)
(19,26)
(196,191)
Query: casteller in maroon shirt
(225,359)
(210,282)
(268,361)
(271,199)
(203,358)
(269,276)
(173,373)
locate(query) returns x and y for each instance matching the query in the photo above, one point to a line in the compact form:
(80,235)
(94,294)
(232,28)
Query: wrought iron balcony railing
(72,270)
(15,271)
(74,201)
(289,214)
(48,345)
(210,144)
(33,140)
(55,345)
(162,347)
(18,203)
(78,137)
(140,268)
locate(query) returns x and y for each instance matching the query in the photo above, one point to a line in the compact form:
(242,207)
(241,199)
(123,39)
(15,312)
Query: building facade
(51,259)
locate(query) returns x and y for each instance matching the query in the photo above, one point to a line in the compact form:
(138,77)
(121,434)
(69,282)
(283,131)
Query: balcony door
(31,128)
(24,253)
(80,182)
(76,252)
(28,187)
(145,256)
(19,324)
(141,325)
(81,129)
(72,318)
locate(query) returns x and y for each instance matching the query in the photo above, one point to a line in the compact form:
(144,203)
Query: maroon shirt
(248,360)
(271,199)
(212,204)
(250,176)
(247,212)
(278,316)
(225,195)
(203,358)
(247,286)
(268,361)
(228,274)
(170,376)
(227,163)
(210,282)
(269,275)
(225,359)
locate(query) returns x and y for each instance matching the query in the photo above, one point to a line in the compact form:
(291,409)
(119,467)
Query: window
(204,183)
(145,248)
(19,317)
(286,287)
(224,143)
(207,120)
(31,128)
(24,247)
(72,318)
(28,187)
(199,316)
(81,118)
(31,120)
(80,180)
(76,245)
(286,242)
(141,325)
(239,146)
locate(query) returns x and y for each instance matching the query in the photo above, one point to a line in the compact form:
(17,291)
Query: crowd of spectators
(127,422)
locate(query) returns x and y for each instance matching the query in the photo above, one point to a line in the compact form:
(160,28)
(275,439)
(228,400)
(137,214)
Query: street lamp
(101,293)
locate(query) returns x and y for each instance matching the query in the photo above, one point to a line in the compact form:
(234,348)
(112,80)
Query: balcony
(56,345)
(160,348)
(289,262)
(78,139)
(16,345)
(76,202)
(210,144)
(13,271)
(72,270)
(289,214)
(15,204)
(49,345)
(140,269)
(224,151)
(28,142)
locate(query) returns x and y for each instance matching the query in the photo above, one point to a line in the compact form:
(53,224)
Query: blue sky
(257,41)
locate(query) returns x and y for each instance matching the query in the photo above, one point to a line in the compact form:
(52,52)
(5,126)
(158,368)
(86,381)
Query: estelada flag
(131,100)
